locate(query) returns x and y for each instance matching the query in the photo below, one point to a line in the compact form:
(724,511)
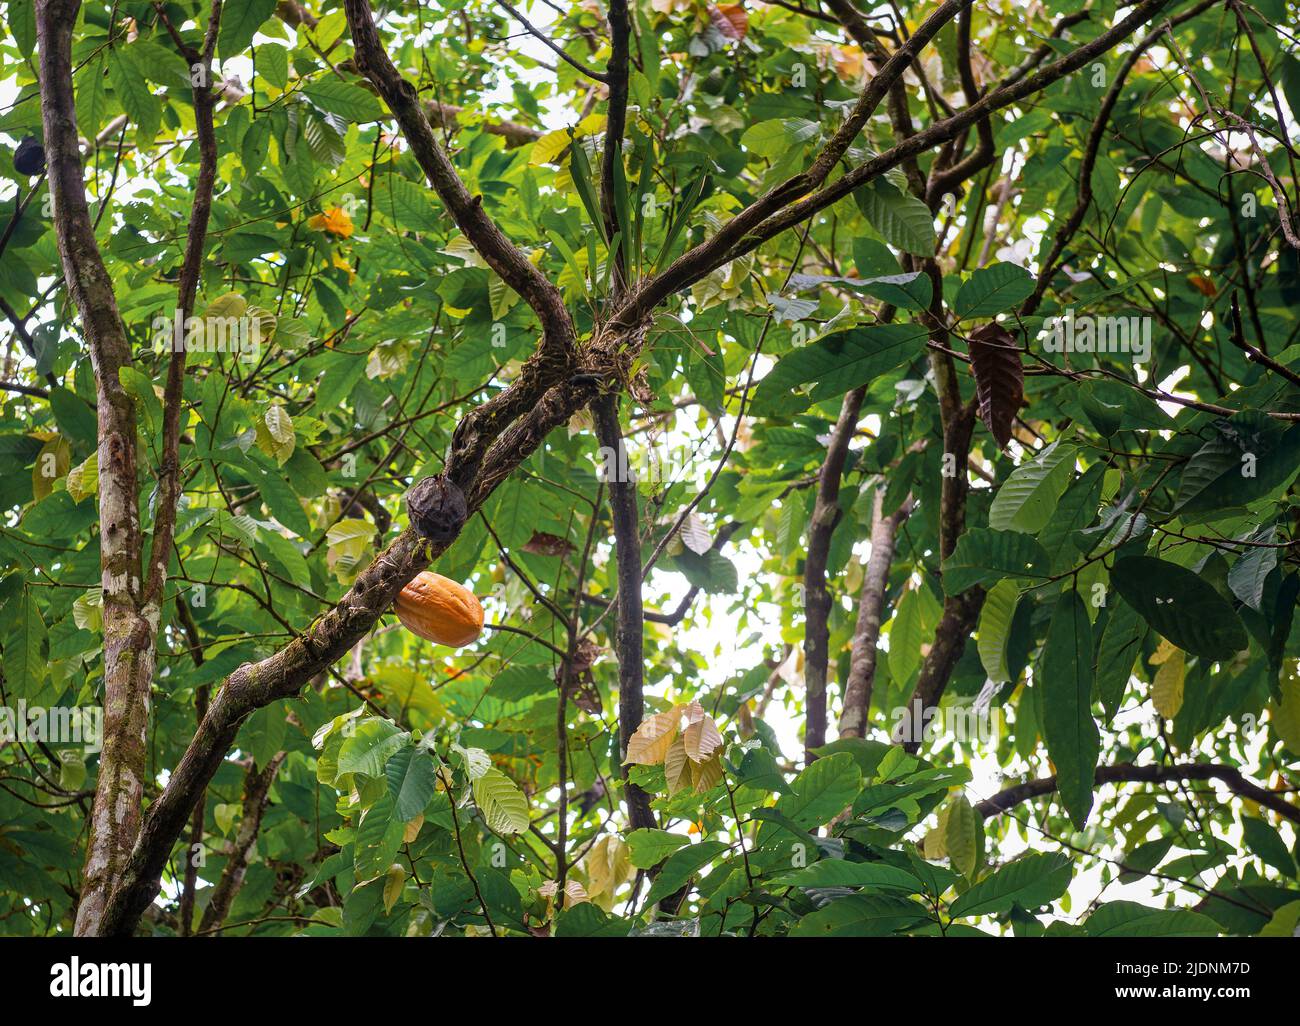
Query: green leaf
(370,747)
(774,139)
(962,836)
(840,361)
(1075,510)
(1030,882)
(1028,498)
(345,100)
(822,790)
(1246,465)
(25,665)
(1121,644)
(1180,606)
(1251,569)
(983,556)
(681,866)
(996,616)
(1264,840)
(902,220)
(239,23)
(267,729)
(1069,730)
(502,803)
(650,847)
(862,915)
(273,64)
(135,96)
(412,780)
(992,289)
(1130,919)
(405,203)
(841,873)
(379,837)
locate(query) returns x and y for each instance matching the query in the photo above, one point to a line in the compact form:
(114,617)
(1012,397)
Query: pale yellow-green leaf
(88,610)
(279,423)
(1285,715)
(274,433)
(503,805)
(961,836)
(995,629)
(83,479)
(225,814)
(477,762)
(501,296)
(230,304)
(51,464)
(394,881)
(935,844)
(574,893)
(1285,922)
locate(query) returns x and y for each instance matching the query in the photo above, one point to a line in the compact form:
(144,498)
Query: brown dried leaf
(652,739)
(677,767)
(730,20)
(706,774)
(702,739)
(543,544)
(999,379)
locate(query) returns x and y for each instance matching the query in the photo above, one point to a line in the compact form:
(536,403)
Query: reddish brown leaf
(543,544)
(999,378)
(730,19)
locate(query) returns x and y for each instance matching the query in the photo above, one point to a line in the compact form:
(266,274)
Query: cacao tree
(855,444)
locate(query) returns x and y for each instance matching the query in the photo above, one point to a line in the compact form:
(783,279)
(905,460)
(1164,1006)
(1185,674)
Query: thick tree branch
(555,47)
(710,254)
(817,599)
(611,167)
(257,791)
(704,260)
(466,210)
(629,625)
(128,635)
(959,611)
(200,74)
(944,180)
(871,602)
(1229,776)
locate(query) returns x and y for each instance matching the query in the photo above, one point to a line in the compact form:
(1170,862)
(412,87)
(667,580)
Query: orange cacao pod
(439,609)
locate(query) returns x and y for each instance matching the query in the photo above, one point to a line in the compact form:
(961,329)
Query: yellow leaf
(1285,715)
(1163,651)
(549,147)
(334,220)
(412,830)
(1167,687)
(652,739)
(393,884)
(51,464)
(935,845)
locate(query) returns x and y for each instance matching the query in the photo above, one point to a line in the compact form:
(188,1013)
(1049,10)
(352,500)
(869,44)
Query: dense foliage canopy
(871,431)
